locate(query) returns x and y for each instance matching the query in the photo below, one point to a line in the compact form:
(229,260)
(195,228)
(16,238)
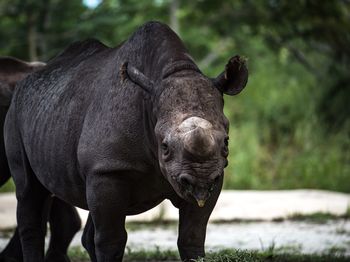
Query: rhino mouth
(191,191)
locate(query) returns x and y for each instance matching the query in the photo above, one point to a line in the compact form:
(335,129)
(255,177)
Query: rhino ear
(133,74)
(234,78)
(13,70)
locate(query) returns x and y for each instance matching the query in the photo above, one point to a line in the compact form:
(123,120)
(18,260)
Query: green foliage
(277,141)
(289,128)
(8,187)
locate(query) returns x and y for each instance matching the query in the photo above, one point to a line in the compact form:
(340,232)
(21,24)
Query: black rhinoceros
(116,131)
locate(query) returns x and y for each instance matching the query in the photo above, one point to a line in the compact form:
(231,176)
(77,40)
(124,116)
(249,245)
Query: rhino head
(191,129)
(12,71)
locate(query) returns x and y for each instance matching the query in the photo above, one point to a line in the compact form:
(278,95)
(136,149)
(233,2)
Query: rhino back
(50,109)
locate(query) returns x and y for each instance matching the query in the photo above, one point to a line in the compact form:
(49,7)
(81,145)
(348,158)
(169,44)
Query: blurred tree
(315,33)
(37,29)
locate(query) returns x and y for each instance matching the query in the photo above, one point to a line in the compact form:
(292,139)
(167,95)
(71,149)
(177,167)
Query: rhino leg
(64,223)
(193,222)
(32,197)
(107,200)
(192,230)
(31,219)
(88,238)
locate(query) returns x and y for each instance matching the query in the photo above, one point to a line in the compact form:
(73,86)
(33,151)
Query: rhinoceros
(63,218)
(116,131)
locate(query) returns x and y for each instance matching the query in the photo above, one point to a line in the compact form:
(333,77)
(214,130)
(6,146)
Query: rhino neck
(178,66)
(157,51)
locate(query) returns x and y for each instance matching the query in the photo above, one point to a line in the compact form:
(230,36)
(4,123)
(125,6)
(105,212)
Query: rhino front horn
(199,142)
(197,136)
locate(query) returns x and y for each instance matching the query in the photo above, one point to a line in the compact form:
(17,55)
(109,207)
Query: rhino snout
(199,193)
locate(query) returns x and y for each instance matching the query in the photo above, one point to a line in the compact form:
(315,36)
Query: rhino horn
(197,136)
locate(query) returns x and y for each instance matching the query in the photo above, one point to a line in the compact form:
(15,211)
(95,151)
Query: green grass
(318,217)
(163,224)
(8,187)
(226,255)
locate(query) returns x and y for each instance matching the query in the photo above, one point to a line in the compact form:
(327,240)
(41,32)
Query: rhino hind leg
(32,198)
(32,212)
(64,223)
(31,217)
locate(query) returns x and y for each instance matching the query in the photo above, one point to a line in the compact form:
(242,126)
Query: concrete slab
(232,204)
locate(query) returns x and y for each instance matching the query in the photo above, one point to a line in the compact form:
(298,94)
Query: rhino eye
(225,163)
(211,189)
(225,148)
(213,185)
(165,148)
(226,141)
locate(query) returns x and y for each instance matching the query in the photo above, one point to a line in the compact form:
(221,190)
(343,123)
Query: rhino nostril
(185,181)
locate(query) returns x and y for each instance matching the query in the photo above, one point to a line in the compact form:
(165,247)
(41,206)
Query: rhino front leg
(107,200)
(192,231)
(193,222)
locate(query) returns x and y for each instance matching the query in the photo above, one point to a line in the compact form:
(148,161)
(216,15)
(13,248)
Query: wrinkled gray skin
(63,218)
(116,131)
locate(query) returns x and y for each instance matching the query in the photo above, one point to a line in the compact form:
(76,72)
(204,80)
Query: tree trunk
(174,21)
(31,37)
(43,25)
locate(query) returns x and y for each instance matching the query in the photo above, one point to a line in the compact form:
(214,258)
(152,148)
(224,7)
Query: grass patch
(230,255)
(154,255)
(226,255)
(8,187)
(163,224)
(78,254)
(318,217)
(6,233)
